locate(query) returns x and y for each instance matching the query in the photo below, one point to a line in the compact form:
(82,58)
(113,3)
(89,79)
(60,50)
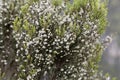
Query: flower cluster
(52,40)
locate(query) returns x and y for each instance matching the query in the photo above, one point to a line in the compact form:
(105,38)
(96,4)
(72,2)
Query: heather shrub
(51,39)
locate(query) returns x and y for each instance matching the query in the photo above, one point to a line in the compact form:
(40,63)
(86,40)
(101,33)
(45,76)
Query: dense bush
(51,39)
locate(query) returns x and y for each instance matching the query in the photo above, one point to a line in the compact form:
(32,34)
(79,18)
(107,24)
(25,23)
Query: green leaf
(24,9)
(56,2)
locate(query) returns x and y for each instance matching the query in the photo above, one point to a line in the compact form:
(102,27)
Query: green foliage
(17,24)
(56,2)
(30,29)
(76,5)
(55,40)
(24,9)
(114,79)
(1,74)
(99,13)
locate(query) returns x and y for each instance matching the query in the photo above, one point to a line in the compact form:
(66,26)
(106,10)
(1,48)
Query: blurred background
(110,62)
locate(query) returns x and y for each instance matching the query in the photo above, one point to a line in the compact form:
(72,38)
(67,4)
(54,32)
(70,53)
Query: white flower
(82,40)
(43,47)
(29,77)
(45,73)
(7,37)
(108,78)
(108,39)
(95,26)
(50,51)
(1,47)
(44,43)
(37,50)
(16,60)
(21,49)
(62,69)
(1,41)
(37,23)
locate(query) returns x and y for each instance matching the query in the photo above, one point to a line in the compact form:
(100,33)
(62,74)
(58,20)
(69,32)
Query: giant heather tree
(51,39)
